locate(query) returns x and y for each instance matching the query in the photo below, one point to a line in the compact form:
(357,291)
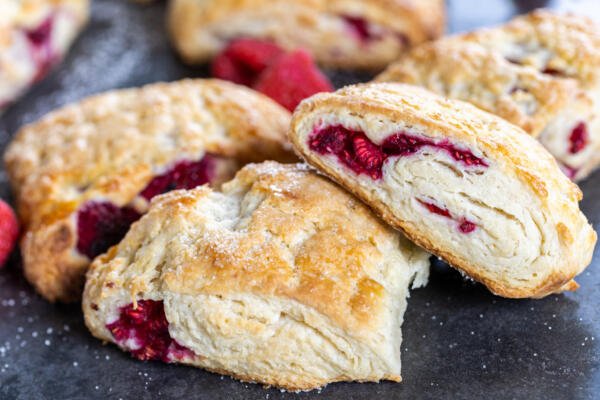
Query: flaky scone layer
(202,28)
(110,146)
(283,278)
(464,184)
(34,35)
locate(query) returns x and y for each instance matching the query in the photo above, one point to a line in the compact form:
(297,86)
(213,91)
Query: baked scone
(358,34)
(283,278)
(460,182)
(83,173)
(540,71)
(35,35)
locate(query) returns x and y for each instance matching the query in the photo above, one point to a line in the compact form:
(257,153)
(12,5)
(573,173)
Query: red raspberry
(244,60)
(9,231)
(292,78)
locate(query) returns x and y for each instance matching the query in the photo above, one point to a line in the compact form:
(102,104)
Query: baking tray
(460,342)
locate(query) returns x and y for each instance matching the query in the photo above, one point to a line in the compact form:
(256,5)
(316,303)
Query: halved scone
(464,184)
(34,36)
(540,71)
(360,34)
(83,173)
(282,278)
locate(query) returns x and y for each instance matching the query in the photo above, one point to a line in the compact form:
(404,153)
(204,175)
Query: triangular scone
(34,36)
(339,33)
(540,71)
(282,278)
(83,173)
(464,184)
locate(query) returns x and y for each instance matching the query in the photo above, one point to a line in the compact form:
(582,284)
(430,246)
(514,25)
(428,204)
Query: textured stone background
(460,342)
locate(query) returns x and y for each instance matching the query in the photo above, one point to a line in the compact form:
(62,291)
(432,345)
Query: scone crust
(193,23)
(296,236)
(503,141)
(109,146)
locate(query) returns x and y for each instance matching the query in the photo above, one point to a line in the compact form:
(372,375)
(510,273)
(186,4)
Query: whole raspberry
(9,231)
(291,78)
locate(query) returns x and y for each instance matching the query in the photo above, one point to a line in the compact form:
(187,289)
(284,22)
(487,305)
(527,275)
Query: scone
(83,173)
(540,71)
(358,34)
(34,35)
(283,278)
(460,182)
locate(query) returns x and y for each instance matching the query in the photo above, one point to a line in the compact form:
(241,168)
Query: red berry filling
(361,28)
(40,40)
(144,331)
(101,225)
(9,231)
(357,152)
(183,175)
(579,138)
(244,60)
(464,225)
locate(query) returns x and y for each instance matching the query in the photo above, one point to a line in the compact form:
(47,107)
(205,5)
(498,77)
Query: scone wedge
(357,34)
(460,182)
(83,173)
(282,278)
(540,71)
(34,36)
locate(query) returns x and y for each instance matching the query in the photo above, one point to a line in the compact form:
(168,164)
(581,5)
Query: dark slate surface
(460,342)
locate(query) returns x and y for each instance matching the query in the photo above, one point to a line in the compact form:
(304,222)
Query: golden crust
(276,232)
(513,152)
(564,43)
(201,28)
(110,146)
(473,73)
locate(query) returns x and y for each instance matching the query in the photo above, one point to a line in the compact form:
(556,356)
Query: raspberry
(360,28)
(147,327)
(579,138)
(244,60)
(291,78)
(183,175)
(9,231)
(101,225)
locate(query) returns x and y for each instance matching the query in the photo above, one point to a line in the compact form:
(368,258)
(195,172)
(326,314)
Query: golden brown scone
(35,35)
(283,278)
(464,184)
(530,72)
(83,173)
(358,34)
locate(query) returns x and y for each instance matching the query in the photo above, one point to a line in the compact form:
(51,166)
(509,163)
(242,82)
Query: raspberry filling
(356,151)
(579,138)
(144,331)
(101,225)
(40,40)
(464,225)
(361,28)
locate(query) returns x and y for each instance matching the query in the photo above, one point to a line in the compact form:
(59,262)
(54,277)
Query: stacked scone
(271,272)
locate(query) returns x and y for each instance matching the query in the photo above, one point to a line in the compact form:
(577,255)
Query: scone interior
(35,35)
(464,184)
(283,278)
(339,33)
(84,173)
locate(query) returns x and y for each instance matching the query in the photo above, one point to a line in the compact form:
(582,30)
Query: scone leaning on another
(540,71)
(282,278)
(84,173)
(356,34)
(460,182)
(35,35)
